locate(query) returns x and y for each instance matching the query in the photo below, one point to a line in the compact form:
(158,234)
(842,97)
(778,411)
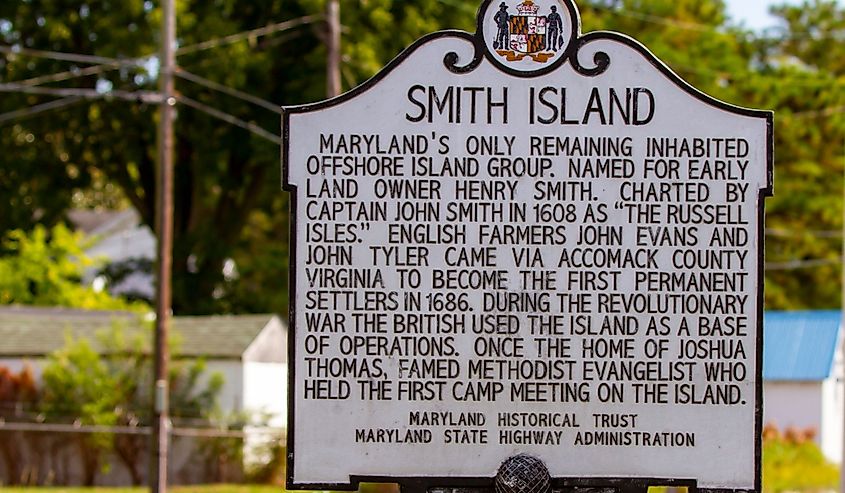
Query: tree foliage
(810,154)
(107,383)
(228,201)
(227,180)
(795,71)
(45,268)
(792,461)
(77,383)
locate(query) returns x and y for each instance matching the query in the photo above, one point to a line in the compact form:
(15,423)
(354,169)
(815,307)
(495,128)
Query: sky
(754,13)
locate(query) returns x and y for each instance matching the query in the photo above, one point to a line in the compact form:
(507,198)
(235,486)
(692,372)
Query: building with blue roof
(802,374)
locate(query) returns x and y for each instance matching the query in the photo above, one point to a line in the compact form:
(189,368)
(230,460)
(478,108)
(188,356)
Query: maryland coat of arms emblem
(528,32)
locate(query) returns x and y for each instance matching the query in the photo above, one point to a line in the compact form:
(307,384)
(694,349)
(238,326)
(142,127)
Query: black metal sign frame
(601,63)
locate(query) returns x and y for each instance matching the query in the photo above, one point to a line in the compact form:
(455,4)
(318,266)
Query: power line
(640,16)
(114,64)
(684,25)
(76,73)
(149,97)
(234,38)
(823,112)
(56,55)
(109,64)
(230,119)
(728,73)
(106,62)
(801,264)
(228,90)
(785,233)
(697,26)
(38,109)
(666,21)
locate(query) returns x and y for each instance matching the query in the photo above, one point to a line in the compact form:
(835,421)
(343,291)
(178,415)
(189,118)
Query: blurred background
(78,137)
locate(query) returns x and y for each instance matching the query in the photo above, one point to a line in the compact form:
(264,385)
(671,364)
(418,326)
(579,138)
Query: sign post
(526,241)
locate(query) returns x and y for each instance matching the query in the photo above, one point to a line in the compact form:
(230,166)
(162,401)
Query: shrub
(793,462)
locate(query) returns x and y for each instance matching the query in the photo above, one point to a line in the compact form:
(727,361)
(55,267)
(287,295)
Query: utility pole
(333,60)
(164,223)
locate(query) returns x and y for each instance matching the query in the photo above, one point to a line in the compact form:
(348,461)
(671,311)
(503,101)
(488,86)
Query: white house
(803,375)
(119,240)
(250,352)
(119,237)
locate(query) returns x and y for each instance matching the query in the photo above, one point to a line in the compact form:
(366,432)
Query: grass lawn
(183,489)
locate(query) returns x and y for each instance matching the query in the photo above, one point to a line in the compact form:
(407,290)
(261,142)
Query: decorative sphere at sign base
(523,474)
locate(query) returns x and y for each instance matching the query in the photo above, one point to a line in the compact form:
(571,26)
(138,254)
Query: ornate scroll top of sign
(526,241)
(531,37)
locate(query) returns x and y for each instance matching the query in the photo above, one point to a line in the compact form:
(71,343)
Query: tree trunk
(90,456)
(129,450)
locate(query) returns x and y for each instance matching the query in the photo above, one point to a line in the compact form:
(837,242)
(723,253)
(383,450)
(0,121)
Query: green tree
(193,392)
(106,382)
(79,385)
(229,205)
(792,461)
(224,174)
(694,37)
(805,77)
(797,72)
(45,268)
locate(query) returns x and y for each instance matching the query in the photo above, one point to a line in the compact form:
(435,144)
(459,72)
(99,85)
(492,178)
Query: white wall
(832,416)
(271,345)
(231,395)
(795,405)
(253,387)
(17,364)
(265,390)
(833,407)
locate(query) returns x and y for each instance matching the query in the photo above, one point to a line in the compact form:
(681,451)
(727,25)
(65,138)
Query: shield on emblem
(528,33)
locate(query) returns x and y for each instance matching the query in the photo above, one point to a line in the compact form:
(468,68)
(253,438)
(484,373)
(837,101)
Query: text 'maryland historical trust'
(526,240)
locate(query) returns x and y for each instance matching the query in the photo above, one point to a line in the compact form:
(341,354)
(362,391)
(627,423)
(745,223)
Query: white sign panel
(526,241)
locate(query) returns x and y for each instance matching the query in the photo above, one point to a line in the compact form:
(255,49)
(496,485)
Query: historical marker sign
(526,241)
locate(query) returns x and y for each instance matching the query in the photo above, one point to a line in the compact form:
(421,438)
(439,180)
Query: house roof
(35,332)
(800,346)
(96,222)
